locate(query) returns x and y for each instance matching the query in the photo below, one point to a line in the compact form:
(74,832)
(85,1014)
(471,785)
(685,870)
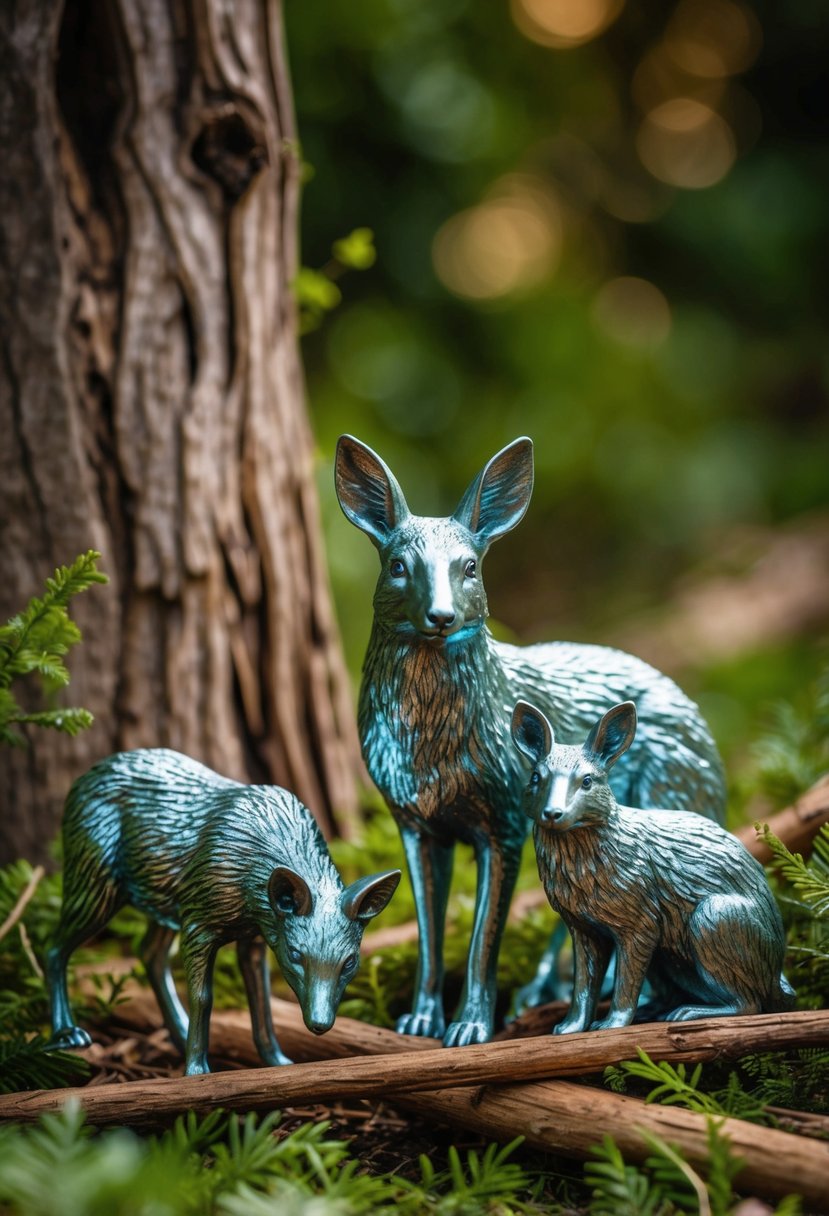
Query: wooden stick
(423,1068)
(555,1115)
(22,901)
(795,826)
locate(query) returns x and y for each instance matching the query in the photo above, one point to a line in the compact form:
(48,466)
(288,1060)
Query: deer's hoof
(275,1058)
(539,992)
(569,1027)
(461,1034)
(196,1068)
(614,1021)
(424,1025)
(68,1037)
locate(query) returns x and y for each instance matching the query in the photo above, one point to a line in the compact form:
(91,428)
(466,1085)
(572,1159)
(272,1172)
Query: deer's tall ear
(289,893)
(367,490)
(531,732)
(613,734)
(498,497)
(368,896)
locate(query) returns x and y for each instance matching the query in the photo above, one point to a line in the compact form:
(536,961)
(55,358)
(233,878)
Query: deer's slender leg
(547,983)
(90,900)
(253,961)
(497,872)
(430,871)
(198,954)
(155,951)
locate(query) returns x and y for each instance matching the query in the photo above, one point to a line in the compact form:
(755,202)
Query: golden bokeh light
(658,77)
(564,23)
(713,38)
(685,143)
(633,312)
(509,242)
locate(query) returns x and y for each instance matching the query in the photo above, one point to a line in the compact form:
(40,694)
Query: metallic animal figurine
(677,896)
(435,705)
(220,862)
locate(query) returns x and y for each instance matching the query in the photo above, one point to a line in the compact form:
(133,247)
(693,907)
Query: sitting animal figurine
(219,861)
(679,898)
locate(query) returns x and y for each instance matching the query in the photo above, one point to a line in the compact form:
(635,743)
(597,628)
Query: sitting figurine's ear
(289,893)
(531,732)
(368,896)
(613,734)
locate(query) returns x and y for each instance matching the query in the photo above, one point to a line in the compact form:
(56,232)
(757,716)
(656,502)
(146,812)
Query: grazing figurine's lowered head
(680,899)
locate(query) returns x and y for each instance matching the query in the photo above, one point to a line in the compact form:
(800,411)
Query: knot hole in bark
(230,150)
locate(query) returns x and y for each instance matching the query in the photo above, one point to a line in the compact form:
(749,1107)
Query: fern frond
(68,581)
(811,879)
(619,1189)
(70,720)
(35,641)
(43,624)
(794,750)
(27,1064)
(723,1167)
(673,1087)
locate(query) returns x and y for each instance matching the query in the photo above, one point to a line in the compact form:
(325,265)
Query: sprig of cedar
(35,641)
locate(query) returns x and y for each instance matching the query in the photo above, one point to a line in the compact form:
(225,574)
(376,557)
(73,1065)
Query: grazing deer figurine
(677,897)
(435,705)
(220,862)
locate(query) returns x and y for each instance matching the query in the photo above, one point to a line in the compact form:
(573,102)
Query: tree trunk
(151,397)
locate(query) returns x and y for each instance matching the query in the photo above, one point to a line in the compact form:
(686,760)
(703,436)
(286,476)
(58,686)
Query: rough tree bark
(151,398)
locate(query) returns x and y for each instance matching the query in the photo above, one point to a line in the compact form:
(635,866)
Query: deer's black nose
(441,619)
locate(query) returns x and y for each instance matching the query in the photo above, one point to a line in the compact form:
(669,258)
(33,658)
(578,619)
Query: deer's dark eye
(350,962)
(471,568)
(295,956)
(397,568)
(586,783)
(535,778)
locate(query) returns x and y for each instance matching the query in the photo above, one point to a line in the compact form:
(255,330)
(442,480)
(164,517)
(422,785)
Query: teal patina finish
(678,898)
(435,705)
(220,862)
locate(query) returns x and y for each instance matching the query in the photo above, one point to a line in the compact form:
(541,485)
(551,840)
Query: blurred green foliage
(35,641)
(611,246)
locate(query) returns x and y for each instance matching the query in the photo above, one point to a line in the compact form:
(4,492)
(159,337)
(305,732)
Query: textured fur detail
(676,896)
(197,852)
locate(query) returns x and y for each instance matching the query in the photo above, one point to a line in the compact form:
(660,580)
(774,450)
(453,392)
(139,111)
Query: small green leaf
(356,251)
(315,290)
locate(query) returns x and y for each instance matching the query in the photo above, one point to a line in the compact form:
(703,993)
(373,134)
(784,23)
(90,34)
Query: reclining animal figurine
(679,898)
(435,702)
(219,861)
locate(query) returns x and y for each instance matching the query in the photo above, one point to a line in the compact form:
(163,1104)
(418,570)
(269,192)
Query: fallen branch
(554,1115)
(795,826)
(419,1067)
(22,901)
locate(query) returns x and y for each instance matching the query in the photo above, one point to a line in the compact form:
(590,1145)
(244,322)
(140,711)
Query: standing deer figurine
(222,862)
(434,711)
(678,897)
